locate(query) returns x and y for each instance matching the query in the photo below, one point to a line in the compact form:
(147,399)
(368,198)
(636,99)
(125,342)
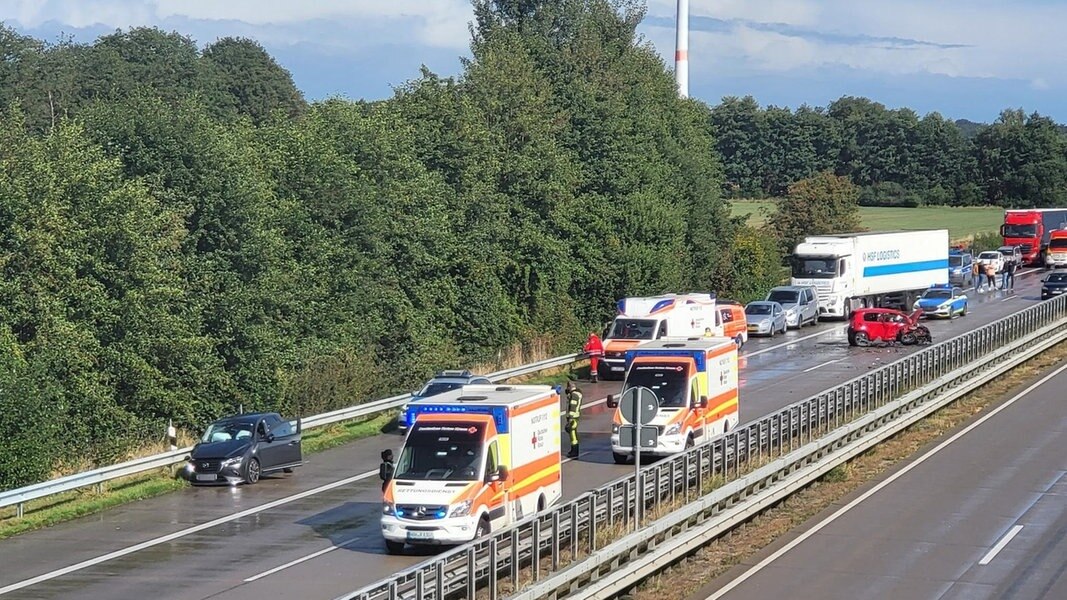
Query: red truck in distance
(1030,229)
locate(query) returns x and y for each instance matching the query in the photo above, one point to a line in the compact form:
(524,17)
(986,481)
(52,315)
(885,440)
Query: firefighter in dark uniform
(574,412)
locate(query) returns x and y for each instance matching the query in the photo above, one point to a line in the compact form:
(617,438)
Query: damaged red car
(884,325)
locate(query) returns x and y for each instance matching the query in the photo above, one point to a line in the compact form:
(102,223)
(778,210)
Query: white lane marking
(789,343)
(844,509)
(303,559)
(180,534)
(300,560)
(829,362)
(988,558)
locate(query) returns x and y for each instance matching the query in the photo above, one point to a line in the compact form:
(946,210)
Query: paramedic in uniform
(595,349)
(574,412)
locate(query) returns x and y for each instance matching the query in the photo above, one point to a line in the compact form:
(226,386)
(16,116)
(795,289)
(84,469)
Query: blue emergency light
(698,356)
(499,413)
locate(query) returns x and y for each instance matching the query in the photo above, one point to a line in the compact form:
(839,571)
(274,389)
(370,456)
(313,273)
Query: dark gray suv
(442,382)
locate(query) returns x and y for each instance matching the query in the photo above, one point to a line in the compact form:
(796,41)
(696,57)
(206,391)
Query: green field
(961,223)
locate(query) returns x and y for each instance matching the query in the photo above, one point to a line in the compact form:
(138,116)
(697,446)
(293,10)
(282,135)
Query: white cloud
(1017,40)
(437,23)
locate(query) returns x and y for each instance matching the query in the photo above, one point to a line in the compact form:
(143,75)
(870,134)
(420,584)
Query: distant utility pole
(681,50)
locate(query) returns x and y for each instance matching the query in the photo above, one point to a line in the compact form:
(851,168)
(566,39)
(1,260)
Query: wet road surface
(315,533)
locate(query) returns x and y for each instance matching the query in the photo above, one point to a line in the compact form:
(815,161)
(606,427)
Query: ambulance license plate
(420,535)
(617,368)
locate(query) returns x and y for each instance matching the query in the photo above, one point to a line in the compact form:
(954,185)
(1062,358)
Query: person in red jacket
(594,348)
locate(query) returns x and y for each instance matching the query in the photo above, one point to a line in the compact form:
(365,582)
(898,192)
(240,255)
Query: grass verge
(688,576)
(961,222)
(79,503)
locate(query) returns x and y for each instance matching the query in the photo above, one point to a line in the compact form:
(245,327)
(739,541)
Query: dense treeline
(181,233)
(894,156)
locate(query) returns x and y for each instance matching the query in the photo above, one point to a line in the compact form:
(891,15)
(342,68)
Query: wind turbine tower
(681,50)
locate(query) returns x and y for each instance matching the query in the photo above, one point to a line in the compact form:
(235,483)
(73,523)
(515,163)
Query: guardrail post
(592,523)
(439,582)
(420,584)
(472,571)
(20,510)
(492,570)
(574,532)
(535,551)
(555,542)
(515,558)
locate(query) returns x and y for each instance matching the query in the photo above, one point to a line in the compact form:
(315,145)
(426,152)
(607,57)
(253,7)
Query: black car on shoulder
(1055,284)
(242,448)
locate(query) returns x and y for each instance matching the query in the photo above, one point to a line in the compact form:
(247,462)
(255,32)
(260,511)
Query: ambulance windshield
(632,329)
(441,451)
(669,382)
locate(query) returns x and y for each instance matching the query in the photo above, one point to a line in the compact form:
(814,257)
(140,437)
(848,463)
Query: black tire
(252,471)
(740,341)
(815,321)
(541,503)
(773,330)
(689,442)
(620,459)
(908,339)
(483,528)
(287,470)
(394,547)
(861,339)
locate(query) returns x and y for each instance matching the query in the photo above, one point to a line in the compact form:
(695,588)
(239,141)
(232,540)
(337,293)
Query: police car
(943,300)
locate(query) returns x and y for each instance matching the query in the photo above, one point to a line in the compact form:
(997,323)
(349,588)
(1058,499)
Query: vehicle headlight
(614,429)
(462,509)
(790,312)
(945,304)
(388,508)
(232,462)
(673,429)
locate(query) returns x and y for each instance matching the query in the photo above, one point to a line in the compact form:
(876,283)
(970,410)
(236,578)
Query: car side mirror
(612,402)
(501,474)
(701,402)
(270,437)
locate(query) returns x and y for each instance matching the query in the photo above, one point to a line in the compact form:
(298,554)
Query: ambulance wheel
(689,442)
(620,459)
(394,547)
(541,503)
(483,528)
(739,341)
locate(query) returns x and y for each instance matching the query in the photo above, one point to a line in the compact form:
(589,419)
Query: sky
(966,59)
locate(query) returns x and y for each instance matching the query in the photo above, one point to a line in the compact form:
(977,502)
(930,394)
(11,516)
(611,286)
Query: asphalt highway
(315,533)
(979,515)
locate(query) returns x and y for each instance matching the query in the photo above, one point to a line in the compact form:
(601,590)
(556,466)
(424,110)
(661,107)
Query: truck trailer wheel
(394,547)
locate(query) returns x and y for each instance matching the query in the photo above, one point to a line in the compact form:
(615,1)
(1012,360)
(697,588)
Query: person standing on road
(594,348)
(976,275)
(574,412)
(991,276)
(1008,280)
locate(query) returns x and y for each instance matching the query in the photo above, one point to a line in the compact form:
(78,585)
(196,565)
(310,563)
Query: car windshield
(1018,231)
(438,387)
(955,261)
(1058,244)
(228,430)
(937,294)
(783,296)
(1007,251)
(814,268)
(990,255)
(632,329)
(758,309)
(1057,278)
(667,381)
(441,451)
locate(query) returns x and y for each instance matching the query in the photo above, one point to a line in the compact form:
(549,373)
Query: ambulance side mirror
(612,402)
(701,403)
(501,474)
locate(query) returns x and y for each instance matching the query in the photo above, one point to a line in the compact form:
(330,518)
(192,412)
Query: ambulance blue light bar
(698,355)
(499,413)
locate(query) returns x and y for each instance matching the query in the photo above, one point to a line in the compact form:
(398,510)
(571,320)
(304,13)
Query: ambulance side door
(497,504)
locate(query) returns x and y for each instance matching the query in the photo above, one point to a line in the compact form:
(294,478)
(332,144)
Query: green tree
(242,79)
(824,203)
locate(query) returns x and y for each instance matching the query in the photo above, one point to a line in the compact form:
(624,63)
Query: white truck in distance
(871,269)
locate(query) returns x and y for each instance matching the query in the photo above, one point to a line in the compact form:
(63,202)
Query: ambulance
(475,459)
(695,383)
(675,315)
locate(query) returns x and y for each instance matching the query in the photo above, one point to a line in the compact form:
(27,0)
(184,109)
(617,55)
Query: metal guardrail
(20,496)
(568,548)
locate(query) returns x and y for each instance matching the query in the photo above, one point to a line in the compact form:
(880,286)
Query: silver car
(765,318)
(800,302)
